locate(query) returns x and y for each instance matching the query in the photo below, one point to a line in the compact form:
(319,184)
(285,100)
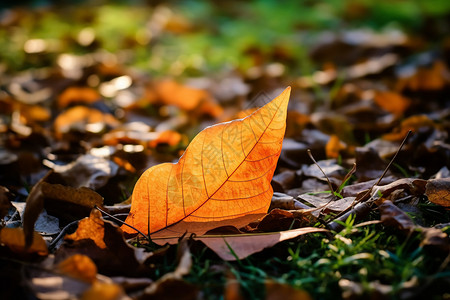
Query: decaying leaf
(223,178)
(438,191)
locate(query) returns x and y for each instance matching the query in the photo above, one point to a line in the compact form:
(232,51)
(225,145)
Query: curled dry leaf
(393,216)
(438,191)
(223,178)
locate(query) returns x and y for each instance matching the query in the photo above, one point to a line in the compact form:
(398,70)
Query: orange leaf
(80,267)
(90,228)
(392,102)
(14,239)
(223,178)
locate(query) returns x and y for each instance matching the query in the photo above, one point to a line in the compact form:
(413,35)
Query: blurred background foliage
(190,38)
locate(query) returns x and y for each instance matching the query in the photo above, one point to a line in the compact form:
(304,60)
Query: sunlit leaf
(223,178)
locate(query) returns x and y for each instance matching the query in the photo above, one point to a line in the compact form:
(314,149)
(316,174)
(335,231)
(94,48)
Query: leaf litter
(97,123)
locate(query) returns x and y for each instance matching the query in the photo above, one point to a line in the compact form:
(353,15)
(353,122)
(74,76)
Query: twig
(147,237)
(359,207)
(61,235)
(326,177)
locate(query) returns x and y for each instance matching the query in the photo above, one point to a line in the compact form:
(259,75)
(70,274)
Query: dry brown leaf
(80,267)
(223,178)
(438,191)
(393,216)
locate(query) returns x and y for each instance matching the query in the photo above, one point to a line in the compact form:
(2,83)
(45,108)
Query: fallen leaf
(87,170)
(334,146)
(223,178)
(83,119)
(5,203)
(392,102)
(283,181)
(169,92)
(172,285)
(279,291)
(277,220)
(90,228)
(415,123)
(77,95)
(393,216)
(102,242)
(244,245)
(426,79)
(232,289)
(104,291)
(169,137)
(283,201)
(438,191)
(14,240)
(80,267)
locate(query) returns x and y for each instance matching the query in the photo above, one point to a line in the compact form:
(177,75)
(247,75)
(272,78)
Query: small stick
(355,207)
(387,167)
(315,162)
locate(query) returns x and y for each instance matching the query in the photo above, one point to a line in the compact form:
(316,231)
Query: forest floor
(93,95)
